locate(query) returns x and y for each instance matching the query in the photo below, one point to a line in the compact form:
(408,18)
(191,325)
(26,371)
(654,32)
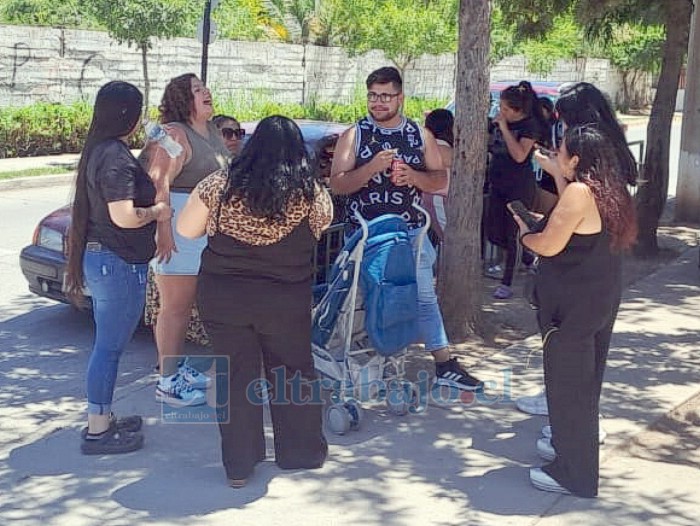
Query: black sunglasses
(230,133)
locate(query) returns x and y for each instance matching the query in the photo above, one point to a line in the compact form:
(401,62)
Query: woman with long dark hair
(579,104)
(185,112)
(441,123)
(583,103)
(111,241)
(262,219)
(578,287)
(519,125)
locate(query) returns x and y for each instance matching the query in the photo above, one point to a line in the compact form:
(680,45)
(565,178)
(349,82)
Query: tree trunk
(460,269)
(146,81)
(688,186)
(625,103)
(653,190)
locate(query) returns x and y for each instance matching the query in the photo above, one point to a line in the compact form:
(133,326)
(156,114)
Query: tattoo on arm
(145,214)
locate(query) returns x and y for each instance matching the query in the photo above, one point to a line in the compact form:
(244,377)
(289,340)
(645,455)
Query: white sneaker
(545,449)
(602,435)
(196,379)
(533,405)
(176,392)
(541,480)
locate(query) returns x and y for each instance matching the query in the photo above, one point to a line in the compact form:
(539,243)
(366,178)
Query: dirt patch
(674,439)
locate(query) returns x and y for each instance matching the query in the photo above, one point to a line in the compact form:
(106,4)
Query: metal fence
(638,150)
(326,250)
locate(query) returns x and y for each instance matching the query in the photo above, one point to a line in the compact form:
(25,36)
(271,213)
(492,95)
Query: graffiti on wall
(19,56)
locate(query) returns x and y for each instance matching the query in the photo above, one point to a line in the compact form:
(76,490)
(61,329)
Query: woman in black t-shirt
(110,243)
(518,126)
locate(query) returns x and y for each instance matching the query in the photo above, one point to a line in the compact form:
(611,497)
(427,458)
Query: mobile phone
(523,213)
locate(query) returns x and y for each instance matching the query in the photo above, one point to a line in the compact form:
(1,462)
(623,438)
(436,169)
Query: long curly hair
(117,110)
(177,104)
(583,103)
(600,170)
(273,168)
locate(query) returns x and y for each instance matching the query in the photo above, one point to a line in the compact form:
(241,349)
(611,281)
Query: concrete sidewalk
(454,464)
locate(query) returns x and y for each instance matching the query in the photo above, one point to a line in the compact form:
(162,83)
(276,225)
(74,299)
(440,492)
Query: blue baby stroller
(365,319)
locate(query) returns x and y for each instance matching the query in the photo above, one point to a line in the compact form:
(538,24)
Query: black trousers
(575,354)
(264,326)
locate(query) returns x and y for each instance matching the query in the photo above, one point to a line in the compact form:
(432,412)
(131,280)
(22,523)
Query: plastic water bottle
(156,133)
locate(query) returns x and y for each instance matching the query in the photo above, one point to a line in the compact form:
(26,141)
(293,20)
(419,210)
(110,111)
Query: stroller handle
(423,231)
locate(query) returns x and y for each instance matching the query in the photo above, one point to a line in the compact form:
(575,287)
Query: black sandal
(112,442)
(131,423)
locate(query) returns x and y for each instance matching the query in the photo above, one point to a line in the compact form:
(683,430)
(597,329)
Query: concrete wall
(54,65)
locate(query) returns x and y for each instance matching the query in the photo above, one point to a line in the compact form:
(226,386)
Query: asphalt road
(44,346)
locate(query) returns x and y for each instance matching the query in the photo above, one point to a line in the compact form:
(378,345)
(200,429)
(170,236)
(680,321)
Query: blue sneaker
(176,392)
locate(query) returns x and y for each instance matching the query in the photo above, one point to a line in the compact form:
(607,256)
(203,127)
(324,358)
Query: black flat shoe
(131,423)
(111,442)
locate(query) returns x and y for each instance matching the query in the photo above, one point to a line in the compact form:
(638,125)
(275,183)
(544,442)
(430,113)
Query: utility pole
(688,185)
(206,30)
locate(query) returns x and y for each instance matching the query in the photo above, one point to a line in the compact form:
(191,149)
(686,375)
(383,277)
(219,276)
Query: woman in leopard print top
(262,218)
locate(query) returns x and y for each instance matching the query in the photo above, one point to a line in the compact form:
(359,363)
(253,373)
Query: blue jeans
(432,329)
(118,292)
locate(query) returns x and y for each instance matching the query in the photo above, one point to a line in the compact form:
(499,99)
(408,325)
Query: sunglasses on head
(230,133)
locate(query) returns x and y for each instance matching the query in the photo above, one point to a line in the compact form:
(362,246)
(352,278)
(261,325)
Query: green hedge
(49,129)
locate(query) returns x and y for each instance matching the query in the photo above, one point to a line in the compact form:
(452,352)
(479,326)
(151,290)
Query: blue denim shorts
(184,262)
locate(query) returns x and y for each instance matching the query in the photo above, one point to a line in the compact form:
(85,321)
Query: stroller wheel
(338,419)
(402,397)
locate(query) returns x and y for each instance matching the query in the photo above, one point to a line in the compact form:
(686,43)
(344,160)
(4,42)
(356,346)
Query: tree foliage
(403,29)
(247,20)
(503,39)
(137,22)
(564,39)
(636,47)
(65,13)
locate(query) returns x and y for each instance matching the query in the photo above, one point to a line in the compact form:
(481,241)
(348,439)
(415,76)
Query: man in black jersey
(383,164)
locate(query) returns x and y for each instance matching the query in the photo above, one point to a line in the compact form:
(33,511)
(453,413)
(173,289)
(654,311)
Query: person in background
(580,104)
(441,123)
(518,126)
(185,111)
(578,287)
(546,190)
(263,217)
(111,240)
(231,131)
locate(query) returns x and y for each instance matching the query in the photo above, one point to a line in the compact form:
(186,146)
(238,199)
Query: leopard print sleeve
(209,189)
(321,213)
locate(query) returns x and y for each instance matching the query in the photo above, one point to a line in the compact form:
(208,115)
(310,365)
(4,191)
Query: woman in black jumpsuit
(579,288)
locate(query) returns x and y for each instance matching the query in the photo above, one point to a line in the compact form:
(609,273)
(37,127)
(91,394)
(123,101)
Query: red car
(43,263)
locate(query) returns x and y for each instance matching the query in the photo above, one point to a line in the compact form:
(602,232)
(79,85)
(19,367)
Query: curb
(38,181)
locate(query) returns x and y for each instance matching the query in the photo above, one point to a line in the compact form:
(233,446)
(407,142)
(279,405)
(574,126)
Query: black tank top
(381,196)
(288,261)
(587,259)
